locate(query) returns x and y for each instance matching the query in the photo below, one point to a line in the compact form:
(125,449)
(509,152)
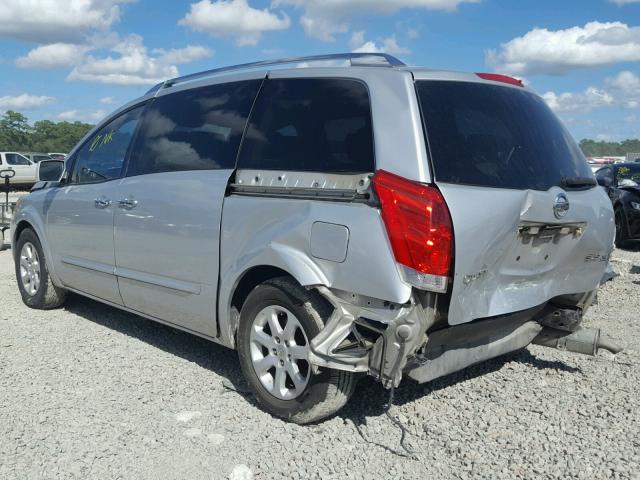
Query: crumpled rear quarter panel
(276,231)
(503,274)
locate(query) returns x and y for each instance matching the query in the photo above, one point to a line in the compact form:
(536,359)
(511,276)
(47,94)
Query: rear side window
(101,158)
(496,136)
(310,125)
(17,159)
(196,129)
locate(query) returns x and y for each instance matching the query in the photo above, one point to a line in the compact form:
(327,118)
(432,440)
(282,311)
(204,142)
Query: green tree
(15,131)
(591,148)
(43,136)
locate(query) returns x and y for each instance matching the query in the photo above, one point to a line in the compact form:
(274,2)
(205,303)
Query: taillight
(419,227)
(497,77)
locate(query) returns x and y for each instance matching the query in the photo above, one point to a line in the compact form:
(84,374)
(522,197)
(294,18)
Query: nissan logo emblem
(560,205)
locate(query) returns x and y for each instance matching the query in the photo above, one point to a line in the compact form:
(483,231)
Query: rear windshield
(495,136)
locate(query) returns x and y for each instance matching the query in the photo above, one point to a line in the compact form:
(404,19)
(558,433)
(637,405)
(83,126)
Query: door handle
(102,202)
(128,203)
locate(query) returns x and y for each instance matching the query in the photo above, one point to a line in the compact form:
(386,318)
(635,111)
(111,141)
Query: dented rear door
(529,222)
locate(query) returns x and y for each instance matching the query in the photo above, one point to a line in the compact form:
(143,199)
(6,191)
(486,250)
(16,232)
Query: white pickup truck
(24,168)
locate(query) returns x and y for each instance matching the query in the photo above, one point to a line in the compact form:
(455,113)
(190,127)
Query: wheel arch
(28,219)
(232,296)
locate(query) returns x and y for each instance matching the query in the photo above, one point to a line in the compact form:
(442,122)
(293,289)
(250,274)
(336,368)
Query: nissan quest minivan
(328,217)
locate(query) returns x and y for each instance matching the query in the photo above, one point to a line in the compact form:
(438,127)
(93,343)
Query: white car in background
(25,169)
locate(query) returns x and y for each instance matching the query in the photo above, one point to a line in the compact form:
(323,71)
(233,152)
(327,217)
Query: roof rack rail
(356,59)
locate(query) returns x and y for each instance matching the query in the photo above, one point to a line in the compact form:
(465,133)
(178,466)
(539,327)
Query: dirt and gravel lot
(91,392)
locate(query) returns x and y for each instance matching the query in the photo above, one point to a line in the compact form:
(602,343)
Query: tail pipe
(585,340)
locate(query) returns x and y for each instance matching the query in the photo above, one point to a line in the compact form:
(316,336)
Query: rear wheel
(621,228)
(278,320)
(33,278)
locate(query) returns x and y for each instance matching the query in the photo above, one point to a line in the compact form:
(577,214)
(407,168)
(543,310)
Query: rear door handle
(102,202)
(128,203)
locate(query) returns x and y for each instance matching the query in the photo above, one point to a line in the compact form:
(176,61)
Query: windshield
(495,136)
(628,176)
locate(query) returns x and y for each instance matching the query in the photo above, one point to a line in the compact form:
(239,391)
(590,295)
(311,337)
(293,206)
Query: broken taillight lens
(419,226)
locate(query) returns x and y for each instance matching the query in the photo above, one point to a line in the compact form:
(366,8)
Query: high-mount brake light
(497,77)
(419,226)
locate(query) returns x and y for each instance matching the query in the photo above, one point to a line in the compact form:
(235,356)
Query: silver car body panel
(498,271)
(277,232)
(81,238)
(166,247)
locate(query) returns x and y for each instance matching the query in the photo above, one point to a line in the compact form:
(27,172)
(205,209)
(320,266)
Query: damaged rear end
(505,246)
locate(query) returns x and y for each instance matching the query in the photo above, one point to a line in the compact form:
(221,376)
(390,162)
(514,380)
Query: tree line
(46,136)
(592,148)
(16,134)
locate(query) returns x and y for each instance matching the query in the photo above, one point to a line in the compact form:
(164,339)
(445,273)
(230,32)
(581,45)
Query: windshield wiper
(577,182)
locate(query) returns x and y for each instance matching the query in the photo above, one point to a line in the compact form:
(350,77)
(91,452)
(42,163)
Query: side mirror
(50,170)
(604,182)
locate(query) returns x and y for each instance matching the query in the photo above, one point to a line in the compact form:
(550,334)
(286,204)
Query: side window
(196,129)
(17,159)
(102,156)
(311,125)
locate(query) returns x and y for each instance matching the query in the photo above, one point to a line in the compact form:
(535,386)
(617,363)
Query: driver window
(102,156)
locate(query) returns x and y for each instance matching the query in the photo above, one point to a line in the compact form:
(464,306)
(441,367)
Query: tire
(621,228)
(326,391)
(33,278)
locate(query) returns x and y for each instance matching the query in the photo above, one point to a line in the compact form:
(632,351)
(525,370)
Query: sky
(81,59)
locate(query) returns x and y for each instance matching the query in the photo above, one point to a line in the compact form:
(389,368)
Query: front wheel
(278,320)
(33,278)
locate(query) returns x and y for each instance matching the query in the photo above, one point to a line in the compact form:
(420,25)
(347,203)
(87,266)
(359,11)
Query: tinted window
(197,129)
(17,159)
(321,125)
(628,175)
(496,137)
(39,158)
(102,156)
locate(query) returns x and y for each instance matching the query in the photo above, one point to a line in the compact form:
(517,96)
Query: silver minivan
(328,217)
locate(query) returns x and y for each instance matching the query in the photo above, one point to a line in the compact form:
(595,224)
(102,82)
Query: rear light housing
(497,77)
(419,227)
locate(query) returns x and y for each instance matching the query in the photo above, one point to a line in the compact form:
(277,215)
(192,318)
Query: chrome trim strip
(170,283)
(89,265)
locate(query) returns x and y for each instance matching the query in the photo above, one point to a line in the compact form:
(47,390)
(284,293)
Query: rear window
(312,125)
(494,136)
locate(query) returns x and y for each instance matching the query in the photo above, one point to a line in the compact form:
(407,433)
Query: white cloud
(623,90)
(107,100)
(233,18)
(133,65)
(49,21)
(624,2)
(78,116)
(55,55)
(24,102)
(578,102)
(412,33)
(389,45)
(322,19)
(632,119)
(190,53)
(555,52)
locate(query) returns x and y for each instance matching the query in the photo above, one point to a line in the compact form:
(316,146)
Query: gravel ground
(91,392)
